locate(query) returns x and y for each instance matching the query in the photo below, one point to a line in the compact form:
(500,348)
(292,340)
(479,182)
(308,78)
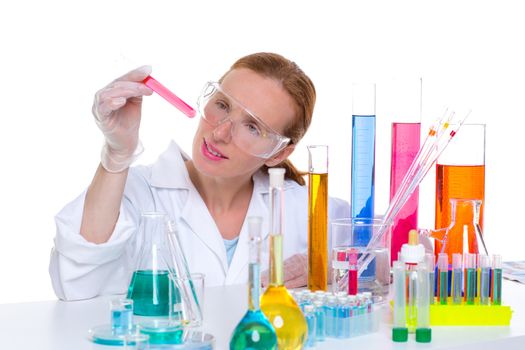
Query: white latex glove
(295,272)
(117,111)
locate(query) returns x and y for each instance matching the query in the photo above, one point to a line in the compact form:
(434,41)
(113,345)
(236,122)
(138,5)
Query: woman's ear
(280,156)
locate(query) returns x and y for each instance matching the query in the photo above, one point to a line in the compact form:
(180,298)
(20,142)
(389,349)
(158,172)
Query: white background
(57,54)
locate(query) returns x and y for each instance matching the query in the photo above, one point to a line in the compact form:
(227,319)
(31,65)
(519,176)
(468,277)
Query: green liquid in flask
(150,291)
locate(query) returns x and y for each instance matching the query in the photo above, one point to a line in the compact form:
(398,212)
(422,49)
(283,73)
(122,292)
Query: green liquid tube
(443,278)
(457,279)
(497,279)
(470,278)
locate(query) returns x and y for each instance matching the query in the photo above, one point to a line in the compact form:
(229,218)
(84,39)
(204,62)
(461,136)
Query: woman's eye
(221,105)
(253,129)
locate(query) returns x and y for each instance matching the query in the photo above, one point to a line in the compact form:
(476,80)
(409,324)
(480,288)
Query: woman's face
(214,152)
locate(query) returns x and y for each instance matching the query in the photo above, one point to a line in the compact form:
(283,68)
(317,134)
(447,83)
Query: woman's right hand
(117,112)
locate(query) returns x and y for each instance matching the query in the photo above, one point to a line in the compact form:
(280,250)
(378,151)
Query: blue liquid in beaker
(150,291)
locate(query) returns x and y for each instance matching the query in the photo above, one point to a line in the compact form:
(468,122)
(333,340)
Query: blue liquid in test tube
(363,164)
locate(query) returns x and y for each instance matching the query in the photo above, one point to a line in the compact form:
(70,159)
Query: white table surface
(58,325)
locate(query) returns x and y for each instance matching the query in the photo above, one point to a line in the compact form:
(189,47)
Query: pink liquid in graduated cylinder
(405,145)
(169,96)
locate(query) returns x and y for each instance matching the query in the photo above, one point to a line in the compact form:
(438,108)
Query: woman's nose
(223,131)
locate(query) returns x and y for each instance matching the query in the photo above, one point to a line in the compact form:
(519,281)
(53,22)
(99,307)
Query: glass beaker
(150,288)
(318,217)
(460,174)
(347,238)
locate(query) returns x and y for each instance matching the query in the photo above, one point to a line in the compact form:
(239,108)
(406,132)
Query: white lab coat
(80,269)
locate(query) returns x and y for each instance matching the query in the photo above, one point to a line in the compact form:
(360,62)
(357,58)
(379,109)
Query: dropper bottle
(254,331)
(277,304)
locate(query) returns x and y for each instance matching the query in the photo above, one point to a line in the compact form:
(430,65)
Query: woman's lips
(211,152)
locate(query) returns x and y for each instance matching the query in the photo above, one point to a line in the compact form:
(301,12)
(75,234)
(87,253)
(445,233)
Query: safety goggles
(248,132)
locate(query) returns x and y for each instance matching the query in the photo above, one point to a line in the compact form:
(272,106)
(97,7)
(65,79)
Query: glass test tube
(169,96)
(497,279)
(318,218)
(330,309)
(443,278)
(320,321)
(400,330)
(431,267)
(352,271)
(457,279)
(363,161)
(484,279)
(423,330)
(470,278)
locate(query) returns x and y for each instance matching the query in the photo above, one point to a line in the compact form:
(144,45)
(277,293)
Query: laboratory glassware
(460,173)
(423,330)
(470,278)
(457,279)
(169,96)
(484,279)
(405,108)
(405,145)
(347,240)
(276,303)
(363,160)
(463,233)
(150,288)
(437,139)
(497,279)
(311,320)
(190,286)
(443,278)
(412,253)
(400,329)
(254,331)
(431,267)
(318,217)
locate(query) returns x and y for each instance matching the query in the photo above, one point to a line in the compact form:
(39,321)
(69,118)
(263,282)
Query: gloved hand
(117,111)
(295,272)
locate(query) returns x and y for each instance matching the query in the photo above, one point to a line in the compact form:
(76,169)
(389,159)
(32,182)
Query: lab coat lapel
(197,217)
(258,207)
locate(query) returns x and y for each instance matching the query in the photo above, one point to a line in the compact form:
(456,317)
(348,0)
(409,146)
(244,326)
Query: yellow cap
(412,237)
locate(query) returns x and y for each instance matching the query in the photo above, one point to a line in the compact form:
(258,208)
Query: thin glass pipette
(441,142)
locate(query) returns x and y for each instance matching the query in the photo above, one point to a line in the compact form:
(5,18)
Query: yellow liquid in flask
(278,305)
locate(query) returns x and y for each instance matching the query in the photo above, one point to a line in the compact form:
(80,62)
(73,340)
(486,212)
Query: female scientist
(251,119)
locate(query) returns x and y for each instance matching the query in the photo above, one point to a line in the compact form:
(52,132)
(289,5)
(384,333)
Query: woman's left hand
(295,272)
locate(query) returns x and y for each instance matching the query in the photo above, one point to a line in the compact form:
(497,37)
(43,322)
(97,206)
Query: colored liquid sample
(254,332)
(121,320)
(285,316)
(363,179)
(443,287)
(405,145)
(464,182)
(150,292)
(457,286)
(470,286)
(497,276)
(278,305)
(318,232)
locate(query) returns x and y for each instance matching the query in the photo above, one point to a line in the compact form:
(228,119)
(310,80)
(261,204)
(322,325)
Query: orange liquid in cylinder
(318,232)
(461,182)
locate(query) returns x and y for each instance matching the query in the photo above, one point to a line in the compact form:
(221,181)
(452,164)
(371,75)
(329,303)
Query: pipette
(169,96)
(441,142)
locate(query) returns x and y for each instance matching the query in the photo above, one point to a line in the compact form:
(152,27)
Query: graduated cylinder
(318,218)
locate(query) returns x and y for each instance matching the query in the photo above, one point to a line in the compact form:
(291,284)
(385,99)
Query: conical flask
(150,288)
(463,234)
(277,304)
(254,331)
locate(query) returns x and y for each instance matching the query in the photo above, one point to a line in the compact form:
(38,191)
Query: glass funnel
(277,304)
(254,331)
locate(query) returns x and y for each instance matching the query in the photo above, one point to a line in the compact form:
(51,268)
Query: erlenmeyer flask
(464,229)
(150,288)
